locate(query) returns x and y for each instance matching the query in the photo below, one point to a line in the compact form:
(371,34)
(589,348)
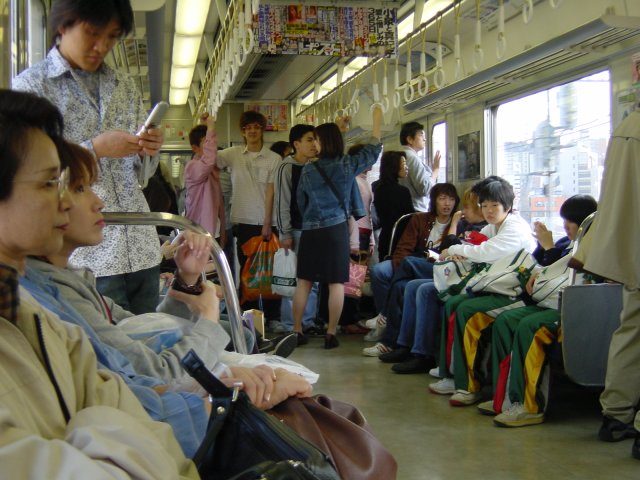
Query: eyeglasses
(62,182)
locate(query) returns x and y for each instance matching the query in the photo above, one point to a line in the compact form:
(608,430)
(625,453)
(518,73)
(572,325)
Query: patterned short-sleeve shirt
(118,106)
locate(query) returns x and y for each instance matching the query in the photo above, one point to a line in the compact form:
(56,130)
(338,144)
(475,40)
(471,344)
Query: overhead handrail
(219,259)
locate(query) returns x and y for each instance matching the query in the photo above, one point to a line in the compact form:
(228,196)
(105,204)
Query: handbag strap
(332,187)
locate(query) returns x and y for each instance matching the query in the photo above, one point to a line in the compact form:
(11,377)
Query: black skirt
(323,254)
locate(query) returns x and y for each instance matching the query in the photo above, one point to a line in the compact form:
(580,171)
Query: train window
(36,33)
(439,142)
(552,144)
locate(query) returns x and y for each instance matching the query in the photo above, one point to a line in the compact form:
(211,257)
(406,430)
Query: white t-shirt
(251,172)
(436,233)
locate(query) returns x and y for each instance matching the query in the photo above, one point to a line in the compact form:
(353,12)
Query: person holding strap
(103,111)
(327,195)
(204,203)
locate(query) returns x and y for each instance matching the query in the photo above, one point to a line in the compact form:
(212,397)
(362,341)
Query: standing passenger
(421,176)
(205,204)
(252,172)
(327,194)
(613,254)
(289,216)
(102,111)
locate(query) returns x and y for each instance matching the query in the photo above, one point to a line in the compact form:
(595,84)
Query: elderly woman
(58,411)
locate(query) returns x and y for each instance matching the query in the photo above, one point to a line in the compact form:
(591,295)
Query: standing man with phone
(102,111)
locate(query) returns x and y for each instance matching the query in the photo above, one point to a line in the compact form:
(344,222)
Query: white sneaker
(486,408)
(375,335)
(377,350)
(463,398)
(377,321)
(517,416)
(446,386)
(435,372)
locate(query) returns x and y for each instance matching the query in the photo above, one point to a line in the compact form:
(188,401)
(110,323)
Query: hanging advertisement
(277,115)
(325,30)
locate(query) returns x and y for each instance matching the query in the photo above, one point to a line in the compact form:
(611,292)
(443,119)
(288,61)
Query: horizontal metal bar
(224,272)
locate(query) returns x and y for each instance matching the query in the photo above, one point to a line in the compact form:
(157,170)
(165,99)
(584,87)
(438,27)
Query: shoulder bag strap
(332,187)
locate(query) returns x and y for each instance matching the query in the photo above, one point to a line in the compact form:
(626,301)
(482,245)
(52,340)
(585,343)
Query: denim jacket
(320,207)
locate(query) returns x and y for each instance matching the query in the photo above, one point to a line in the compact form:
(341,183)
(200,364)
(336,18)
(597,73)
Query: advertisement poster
(326,30)
(277,115)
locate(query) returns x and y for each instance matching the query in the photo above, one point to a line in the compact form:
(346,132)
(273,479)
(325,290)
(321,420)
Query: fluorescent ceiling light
(330,83)
(181,77)
(357,63)
(432,7)
(185,50)
(191,16)
(178,96)
(405,27)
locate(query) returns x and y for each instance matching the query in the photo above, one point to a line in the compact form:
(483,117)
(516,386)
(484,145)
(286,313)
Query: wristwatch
(179,285)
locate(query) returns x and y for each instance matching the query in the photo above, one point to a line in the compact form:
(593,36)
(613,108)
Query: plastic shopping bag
(255,278)
(283,280)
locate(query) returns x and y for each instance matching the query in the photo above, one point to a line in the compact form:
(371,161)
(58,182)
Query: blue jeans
(381,275)
(420,318)
(410,268)
(138,292)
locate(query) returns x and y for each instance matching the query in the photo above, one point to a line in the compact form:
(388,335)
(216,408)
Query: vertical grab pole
(224,272)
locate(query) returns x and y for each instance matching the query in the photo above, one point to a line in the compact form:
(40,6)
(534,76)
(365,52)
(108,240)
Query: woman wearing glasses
(59,416)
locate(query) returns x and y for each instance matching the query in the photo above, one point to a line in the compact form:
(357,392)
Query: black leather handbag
(240,436)
(284,470)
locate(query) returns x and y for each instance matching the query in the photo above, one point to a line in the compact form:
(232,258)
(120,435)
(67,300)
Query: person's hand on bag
(257,382)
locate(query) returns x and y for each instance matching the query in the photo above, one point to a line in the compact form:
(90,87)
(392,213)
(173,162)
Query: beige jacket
(108,434)
(613,250)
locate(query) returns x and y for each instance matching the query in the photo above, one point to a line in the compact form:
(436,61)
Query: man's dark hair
(447,189)
(280,147)
(251,116)
(196,134)
(578,207)
(66,13)
(495,189)
(409,130)
(297,132)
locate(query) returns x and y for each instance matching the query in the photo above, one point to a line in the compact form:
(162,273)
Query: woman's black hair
(66,13)
(495,189)
(280,147)
(330,139)
(20,113)
(390,166)
(447,189)
(196,134)
(578,207)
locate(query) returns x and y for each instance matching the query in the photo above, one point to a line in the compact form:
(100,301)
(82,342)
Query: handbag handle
(196,368)
(332,187)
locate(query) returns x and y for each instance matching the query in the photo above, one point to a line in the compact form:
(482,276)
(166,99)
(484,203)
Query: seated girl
(417,344)
(474,316)
(59,416)
(81,299)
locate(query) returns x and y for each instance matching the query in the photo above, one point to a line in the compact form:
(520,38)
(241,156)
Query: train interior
(526,89)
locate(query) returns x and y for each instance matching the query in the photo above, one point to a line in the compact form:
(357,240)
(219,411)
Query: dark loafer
(400,354)
(414,365)
(613,430)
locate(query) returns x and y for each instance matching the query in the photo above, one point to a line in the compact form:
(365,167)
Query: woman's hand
(443,255)
(531,281)
(192,255)
(266,232)
(544,235)
(116,144)
(205,305)
(289,384)
(257,382)
(150,141)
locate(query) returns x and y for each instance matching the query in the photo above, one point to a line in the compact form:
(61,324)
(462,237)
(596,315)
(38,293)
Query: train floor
(432,440)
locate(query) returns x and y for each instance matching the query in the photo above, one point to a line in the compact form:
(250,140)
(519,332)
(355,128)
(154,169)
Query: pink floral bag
(357,274)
